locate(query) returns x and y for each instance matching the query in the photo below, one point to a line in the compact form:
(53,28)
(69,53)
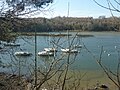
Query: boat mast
(68,30)
(68,9)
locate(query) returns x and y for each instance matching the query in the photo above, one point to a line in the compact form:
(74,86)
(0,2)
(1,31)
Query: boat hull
(45,53)
(22,54)
(69,51)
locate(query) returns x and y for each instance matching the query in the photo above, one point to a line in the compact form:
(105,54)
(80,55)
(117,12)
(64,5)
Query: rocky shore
(12,82)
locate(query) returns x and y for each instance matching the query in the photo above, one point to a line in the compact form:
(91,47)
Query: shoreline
(61,33)
(90,80)
(57,34)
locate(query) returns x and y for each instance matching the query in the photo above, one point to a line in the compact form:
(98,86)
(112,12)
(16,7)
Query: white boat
(66,50)
(11,44)
(50,49)
(45,53)
(21,53)
(77,46)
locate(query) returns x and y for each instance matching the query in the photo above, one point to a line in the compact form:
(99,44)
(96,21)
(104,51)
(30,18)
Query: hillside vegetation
(9,25)
(69,23)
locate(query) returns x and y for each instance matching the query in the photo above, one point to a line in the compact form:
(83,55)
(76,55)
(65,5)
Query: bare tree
(13,8)
(57,67)
(112,6)
(10,10)
(114,76)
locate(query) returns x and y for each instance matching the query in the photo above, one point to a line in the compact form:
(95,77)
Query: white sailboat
(69,50)
(78,46)
(21,53)
(45,53)
(66,50)
(11,44)
(50,49)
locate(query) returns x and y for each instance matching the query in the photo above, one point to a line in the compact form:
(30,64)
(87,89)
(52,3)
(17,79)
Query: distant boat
(66,50)
(45,53)
(21,53)
(77,46)
(50,49)
(11,44)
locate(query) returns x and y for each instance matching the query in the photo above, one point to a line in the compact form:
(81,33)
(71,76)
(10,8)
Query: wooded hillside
(61,23)
(70,23)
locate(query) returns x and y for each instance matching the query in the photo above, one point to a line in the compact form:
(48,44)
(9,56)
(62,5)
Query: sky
(77,8)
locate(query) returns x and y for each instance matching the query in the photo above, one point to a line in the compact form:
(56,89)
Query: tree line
(69,23)
(10,25)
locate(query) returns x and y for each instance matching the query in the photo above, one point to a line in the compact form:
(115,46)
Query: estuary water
(84,60)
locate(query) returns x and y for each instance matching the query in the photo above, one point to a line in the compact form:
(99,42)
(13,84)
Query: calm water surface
(85,60)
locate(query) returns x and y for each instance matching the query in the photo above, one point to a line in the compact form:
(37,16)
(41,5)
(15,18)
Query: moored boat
(21,53)
(78,46)
(45,53)
(66,50)
(11,44)
(50,49)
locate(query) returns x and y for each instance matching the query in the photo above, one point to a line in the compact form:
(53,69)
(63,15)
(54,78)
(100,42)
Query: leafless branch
(105,6)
